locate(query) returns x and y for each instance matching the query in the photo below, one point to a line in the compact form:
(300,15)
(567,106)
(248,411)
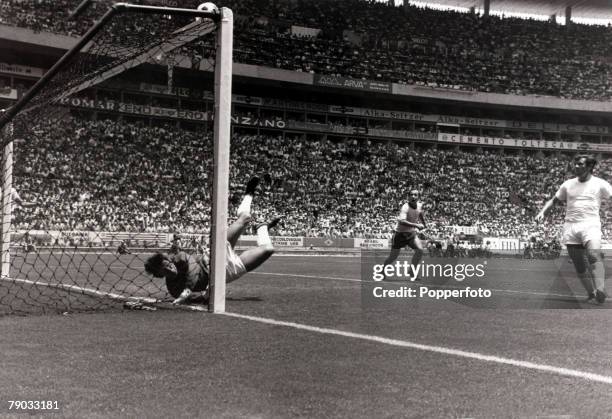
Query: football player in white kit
(582,230)
(410,220)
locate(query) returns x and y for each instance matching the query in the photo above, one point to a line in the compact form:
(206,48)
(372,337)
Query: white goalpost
(222,136)
(49,92)
(7,186)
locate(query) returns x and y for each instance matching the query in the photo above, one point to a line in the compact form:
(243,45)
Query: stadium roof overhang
(589,9)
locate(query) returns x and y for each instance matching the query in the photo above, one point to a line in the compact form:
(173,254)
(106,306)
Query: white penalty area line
(430,348)
(334,278)
(404,283)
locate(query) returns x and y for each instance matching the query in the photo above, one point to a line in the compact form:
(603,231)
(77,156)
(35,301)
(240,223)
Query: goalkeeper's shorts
(234,267)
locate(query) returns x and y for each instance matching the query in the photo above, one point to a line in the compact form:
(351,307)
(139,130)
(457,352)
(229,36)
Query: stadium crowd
(110,176)
(50,15)
(369,40)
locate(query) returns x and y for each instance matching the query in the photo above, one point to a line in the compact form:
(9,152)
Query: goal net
(109,158)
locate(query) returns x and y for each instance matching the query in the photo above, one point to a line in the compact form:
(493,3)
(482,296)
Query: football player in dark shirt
(123,248)
(187,274)
(409,222)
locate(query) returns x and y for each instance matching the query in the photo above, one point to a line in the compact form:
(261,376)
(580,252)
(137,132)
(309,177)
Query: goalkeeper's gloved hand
(183,297)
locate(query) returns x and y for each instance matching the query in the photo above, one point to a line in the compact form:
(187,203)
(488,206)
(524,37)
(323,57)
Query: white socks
(586,278)
(245,205)
(263,238)
(599,275)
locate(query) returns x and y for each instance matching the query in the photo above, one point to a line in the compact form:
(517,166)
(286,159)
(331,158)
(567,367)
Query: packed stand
(371,40)
(111,176)
(51,15)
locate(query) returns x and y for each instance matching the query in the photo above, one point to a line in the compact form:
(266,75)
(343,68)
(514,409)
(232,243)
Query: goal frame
(222,134)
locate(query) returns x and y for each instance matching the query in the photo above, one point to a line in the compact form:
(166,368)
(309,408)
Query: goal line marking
(431,348)
(153,302)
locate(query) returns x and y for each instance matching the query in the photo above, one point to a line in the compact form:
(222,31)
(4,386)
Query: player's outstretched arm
(546,208)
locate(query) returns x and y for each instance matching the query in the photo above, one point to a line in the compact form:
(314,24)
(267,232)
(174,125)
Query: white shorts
(581,232)
(234,267)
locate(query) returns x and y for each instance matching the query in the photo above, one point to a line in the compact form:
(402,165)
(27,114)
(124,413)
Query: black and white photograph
(306,209)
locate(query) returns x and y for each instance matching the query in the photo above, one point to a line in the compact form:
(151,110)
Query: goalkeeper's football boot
(251,186)
(271,224)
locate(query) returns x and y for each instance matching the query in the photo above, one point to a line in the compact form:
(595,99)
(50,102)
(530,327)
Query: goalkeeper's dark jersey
(192,273)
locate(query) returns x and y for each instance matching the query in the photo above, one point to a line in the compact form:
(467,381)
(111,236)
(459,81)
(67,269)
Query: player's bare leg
(393,255)
(238,227)
(578,255)
(595,259)
(244,213)
(417,246)
(254,257)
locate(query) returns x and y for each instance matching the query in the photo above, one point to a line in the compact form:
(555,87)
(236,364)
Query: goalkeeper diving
(187,276)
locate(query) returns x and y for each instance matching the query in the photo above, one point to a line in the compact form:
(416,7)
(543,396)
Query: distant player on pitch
(123,248)
(411,219)
(187,275)
(582,230)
